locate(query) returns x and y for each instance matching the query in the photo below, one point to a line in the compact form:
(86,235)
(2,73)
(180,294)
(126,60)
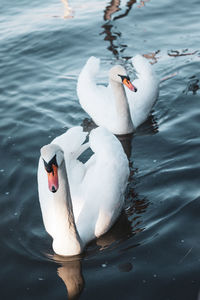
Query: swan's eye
(122,77)
(49,166)
(53,161)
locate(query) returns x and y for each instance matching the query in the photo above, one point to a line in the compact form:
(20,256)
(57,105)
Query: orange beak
(129,85)
(53,179)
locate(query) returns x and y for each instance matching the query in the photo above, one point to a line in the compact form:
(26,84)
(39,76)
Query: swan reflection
(150,126)
(70,268)
(126,142)
(70,271)
(120,231)
(128,224)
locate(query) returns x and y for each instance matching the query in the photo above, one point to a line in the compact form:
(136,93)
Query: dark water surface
(153,252)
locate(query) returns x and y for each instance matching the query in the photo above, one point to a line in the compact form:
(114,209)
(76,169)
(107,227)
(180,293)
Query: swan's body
(117,108)
(88,197)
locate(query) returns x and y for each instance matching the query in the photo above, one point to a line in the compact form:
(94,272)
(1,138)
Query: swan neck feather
(122,107)
(66,237)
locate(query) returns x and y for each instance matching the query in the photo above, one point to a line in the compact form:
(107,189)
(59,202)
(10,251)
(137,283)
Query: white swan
(115,107)
(80,202)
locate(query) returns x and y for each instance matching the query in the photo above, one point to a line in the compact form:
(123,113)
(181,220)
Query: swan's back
(104,184)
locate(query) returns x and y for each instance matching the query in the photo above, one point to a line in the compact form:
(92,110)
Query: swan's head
(52,156)
(118,74)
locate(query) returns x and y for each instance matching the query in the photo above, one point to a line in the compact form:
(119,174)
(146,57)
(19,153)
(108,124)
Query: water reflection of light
(111,37)
(111,9)
(110,31)
(67,10)
(114,6)
(129,6)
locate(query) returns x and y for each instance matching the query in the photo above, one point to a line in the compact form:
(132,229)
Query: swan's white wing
(104,185)
(147,85)
(96,100)
(72,141)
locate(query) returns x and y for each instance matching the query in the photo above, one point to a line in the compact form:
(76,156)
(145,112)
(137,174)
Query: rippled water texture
(153,252)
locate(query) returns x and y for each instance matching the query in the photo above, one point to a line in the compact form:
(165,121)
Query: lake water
(153,252)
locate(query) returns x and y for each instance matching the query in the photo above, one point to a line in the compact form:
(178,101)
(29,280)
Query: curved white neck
(66,240)
(122,108)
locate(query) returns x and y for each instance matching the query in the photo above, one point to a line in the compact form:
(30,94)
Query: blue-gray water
(153,252)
